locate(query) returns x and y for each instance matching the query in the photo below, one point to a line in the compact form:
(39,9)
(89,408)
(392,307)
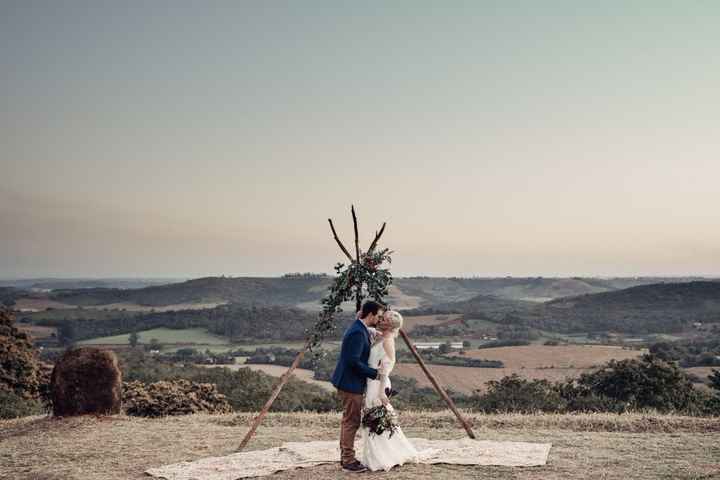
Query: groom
(351,373)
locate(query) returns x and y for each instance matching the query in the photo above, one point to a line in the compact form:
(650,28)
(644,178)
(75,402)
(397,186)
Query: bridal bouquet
(379,419)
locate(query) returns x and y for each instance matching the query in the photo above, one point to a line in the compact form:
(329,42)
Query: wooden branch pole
(377,238)
(358,290)
(437,386)
(286,376)
(283,380)
(357,242)
(342,247)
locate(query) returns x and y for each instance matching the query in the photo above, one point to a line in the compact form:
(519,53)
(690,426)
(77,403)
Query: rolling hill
(655,308)
(306,291)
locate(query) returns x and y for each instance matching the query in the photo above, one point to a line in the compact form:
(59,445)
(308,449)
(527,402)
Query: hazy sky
(495,138)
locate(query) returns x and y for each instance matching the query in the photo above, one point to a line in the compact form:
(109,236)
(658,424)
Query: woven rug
(291,455)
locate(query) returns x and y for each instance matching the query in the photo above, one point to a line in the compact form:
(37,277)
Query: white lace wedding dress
(382,452)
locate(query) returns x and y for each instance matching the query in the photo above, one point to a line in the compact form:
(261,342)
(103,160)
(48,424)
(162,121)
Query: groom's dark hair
(369,307)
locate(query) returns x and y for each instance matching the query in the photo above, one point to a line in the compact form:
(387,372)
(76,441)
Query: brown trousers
(352,410)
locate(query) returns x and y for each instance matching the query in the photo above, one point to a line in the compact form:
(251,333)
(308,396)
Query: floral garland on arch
(355,281)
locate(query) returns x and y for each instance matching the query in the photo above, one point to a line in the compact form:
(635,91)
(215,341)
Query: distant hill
(74,283)
(245,290)
(663,307)
(655,308)
(306,291)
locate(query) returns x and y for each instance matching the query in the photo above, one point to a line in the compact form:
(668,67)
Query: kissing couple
(362,378)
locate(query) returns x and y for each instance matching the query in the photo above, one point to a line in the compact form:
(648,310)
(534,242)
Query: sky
(184,139)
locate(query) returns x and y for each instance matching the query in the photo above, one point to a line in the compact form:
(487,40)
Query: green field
(78,313)
(171,339)
(198,336)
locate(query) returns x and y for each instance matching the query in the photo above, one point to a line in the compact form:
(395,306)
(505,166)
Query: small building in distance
(436,345)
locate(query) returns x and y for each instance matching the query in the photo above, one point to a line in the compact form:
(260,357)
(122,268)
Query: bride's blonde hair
(396,320)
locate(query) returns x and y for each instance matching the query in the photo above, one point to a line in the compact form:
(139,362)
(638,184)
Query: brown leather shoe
(354,467)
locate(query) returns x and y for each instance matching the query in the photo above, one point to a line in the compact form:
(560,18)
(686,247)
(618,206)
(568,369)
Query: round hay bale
(86,380)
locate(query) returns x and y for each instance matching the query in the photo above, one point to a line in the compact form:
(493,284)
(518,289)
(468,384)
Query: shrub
(178,397)
(20,370)
(516,394)
(504,343)
(645,383)
(580,398)
(246,390)
(14,406)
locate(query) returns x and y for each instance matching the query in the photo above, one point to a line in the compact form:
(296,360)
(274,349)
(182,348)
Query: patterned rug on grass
(291,455)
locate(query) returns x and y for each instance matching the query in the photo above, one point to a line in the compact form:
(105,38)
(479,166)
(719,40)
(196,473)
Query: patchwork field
(534,362)
(37,332)
(40,303)
(195,336)
(561,356)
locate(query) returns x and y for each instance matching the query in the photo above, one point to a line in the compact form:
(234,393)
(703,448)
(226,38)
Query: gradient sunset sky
(191,138)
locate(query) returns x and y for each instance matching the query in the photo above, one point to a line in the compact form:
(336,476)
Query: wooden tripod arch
(358,302)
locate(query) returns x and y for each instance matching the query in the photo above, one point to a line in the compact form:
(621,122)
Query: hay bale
(177,397)
(86,380)
(20,369)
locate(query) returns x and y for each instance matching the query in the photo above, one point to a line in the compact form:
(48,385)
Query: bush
(504,343)
(580,398)
(15,406)
(246,390)
(20,369)
(516,394)
(179,397)
(645,383)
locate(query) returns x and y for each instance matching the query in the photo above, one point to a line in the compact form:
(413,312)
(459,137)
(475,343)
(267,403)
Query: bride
(382,452)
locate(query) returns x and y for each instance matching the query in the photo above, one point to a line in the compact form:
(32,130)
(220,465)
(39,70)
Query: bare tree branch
(377,237)
(358,289)
(342,247)
(357,243)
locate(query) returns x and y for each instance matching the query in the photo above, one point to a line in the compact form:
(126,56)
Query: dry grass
(584,446)
(561,356)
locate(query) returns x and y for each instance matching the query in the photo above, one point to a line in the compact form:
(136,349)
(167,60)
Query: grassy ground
(600,446)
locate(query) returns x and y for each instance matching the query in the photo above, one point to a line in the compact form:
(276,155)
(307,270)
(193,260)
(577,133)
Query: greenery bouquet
(380,419)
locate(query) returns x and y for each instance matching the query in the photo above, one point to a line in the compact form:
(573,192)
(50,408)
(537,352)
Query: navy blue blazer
(352,370)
